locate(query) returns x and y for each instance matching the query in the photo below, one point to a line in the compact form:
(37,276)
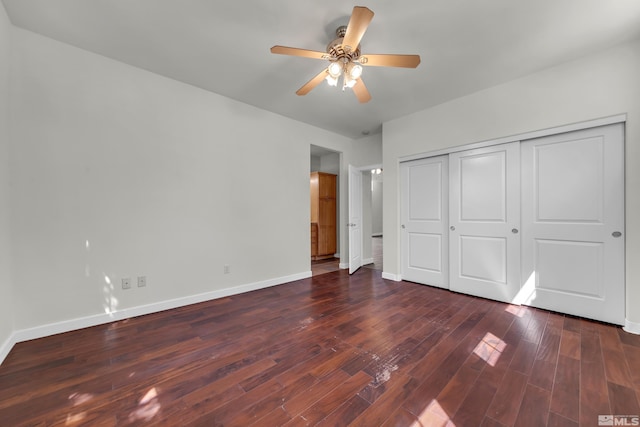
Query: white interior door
(573,223)
(484,221)
(355,219)
(424,221)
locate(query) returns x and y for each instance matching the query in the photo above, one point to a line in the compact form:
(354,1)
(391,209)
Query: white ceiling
(223,46)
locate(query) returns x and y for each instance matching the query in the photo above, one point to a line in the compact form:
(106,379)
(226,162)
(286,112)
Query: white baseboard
(631,327)
(343,265)
(6,347)
(391,276)
(99,319)
(367,261)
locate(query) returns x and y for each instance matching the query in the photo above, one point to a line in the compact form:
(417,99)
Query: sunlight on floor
(490,349)
(516,310)
(148,406)
(433,416)
(78,399)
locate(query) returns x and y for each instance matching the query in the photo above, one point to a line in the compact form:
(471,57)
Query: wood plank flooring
(331,350)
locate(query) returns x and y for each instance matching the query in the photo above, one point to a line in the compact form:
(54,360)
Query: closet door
(424,221)
(573,223)
(485,221)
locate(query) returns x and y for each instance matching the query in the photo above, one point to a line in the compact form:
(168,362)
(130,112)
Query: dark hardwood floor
(329,350)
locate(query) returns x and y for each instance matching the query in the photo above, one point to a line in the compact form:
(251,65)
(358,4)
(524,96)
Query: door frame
(619,118)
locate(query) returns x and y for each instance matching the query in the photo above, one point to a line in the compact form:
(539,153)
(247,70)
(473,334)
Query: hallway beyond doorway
(333,264)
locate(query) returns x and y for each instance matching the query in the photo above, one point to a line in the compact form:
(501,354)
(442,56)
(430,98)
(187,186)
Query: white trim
(391,276)
(99,319)
(343,265)
(631,327)
(366,261)
(619,118)
(6,347)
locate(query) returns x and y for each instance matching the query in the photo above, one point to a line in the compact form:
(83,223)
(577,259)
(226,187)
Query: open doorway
(324,162)
(373,250)
(372,217)
(329,161)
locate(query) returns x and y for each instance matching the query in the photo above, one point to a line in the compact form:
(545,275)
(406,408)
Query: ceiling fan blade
(358,23)
(312,83)
(406,61)
(294,51)
(361,91)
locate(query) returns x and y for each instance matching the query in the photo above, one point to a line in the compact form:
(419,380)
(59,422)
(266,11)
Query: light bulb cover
(349,82)
(334,69)
(332,81)
(354,70)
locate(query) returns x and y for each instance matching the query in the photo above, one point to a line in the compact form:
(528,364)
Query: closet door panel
(424,219)
(573,219)
(484,221)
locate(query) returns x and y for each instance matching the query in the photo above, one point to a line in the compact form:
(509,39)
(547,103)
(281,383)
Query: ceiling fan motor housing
(337,50)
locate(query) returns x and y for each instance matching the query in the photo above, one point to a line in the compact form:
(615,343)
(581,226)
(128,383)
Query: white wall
(6,305)
(119,172)
(367,151)
(330,163)
(314,163)
(597,86)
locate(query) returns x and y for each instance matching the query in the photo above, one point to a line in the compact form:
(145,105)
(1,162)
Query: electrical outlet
(126,283)
(142,281)
(227,269)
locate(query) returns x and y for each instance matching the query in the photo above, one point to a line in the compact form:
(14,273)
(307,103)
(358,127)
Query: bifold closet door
(484,221)
(424,221)
(573,223)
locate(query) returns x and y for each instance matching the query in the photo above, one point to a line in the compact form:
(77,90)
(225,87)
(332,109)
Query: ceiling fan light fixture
(345,59)
(355,70)
(332,81)
(349,82)
(334,69)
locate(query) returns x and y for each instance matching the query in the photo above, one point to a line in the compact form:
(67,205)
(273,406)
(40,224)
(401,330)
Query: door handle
(616,234)
(452,228)
(402,226)
(514,230)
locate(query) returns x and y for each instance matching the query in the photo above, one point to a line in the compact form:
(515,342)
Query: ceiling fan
(345,58)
